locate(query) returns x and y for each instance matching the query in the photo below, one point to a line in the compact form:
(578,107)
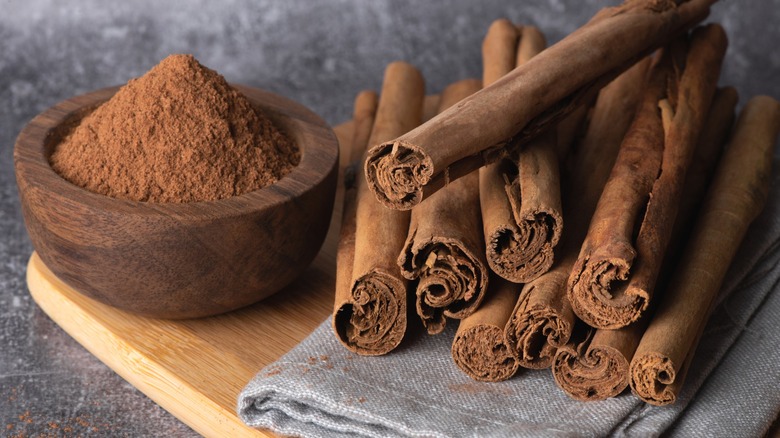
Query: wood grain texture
(178,260)
(194,368)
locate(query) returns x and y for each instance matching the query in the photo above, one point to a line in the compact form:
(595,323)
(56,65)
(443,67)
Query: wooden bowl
(178,260)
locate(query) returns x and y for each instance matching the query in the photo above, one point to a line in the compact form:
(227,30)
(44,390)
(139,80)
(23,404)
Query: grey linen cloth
(732,388)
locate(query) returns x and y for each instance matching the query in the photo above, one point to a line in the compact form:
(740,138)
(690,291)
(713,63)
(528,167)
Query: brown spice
(179,133)
(26,417)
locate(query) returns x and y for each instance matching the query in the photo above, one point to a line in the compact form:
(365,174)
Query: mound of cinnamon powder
(179,133)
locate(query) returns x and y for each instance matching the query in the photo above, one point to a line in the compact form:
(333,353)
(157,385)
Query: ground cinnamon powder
(179,133)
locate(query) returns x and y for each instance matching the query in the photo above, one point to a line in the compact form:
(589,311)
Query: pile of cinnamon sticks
(576,209)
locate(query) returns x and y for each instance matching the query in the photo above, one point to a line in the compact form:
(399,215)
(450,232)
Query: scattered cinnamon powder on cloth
(179,133)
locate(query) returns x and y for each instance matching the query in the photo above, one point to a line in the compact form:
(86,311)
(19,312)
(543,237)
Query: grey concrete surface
(319,53)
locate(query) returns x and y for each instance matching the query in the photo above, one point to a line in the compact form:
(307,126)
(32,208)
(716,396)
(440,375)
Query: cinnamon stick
(614,277)
(430,106)
(370,314)
(499,50)
(479,348)
(568,133)
(489,124)
(735,198)
(542,319)
(344,132)
(445,249)
(706,156)
(520,198)
(352,150)
(596,367)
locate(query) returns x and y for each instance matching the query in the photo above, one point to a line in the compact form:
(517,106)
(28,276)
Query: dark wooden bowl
(178,260)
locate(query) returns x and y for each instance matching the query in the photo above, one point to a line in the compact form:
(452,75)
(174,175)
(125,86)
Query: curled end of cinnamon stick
(482,353)
(452,281)
(373,321)
(397,172)
(534,332)
(522,252)
(590,374)
(652,379)
(599,289)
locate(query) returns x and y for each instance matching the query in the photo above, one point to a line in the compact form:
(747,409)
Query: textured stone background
(319,53)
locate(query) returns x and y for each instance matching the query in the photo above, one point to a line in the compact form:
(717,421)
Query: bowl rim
(30,158)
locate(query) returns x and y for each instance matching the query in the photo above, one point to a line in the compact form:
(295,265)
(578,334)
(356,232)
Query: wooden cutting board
(196,368)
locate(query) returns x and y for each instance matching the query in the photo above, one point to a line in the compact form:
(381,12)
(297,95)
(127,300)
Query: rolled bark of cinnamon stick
(370,315)
(542,320)
(592,368)
(608,250)
(499,57)
(532,97)
(445,249)
(716,132)
(479,348)
(520,197)
(615,275)
(596,367)
(712,141)
(735,198)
